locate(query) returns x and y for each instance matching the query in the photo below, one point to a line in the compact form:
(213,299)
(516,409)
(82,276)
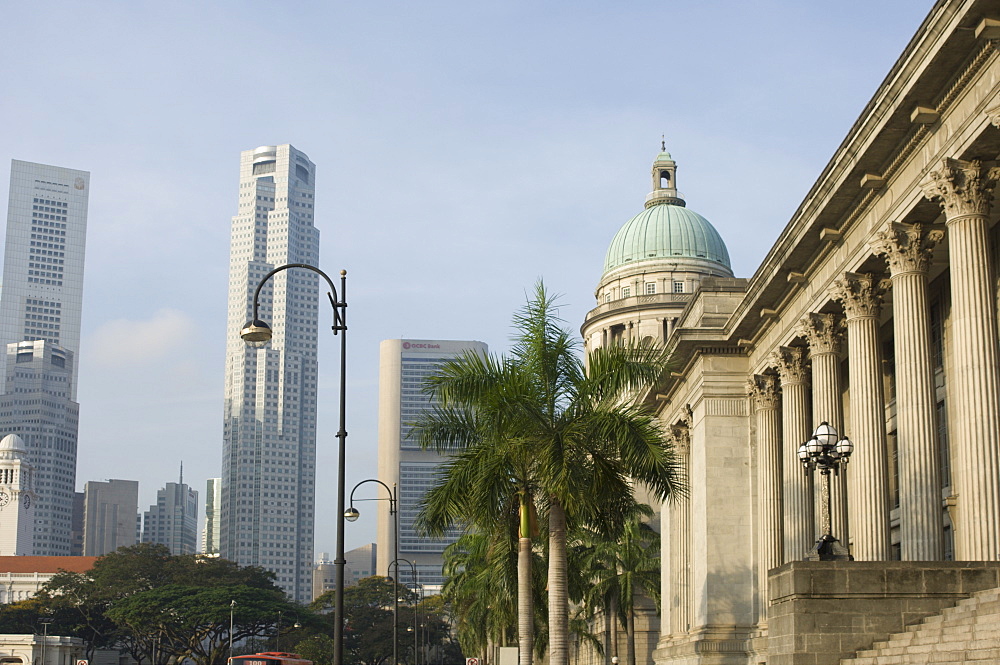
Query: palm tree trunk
(613,611)
(630,634)
(525,611)
(607,633)
(558,588)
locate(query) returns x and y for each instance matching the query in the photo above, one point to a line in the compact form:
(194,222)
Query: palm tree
(619,570)
(536,427)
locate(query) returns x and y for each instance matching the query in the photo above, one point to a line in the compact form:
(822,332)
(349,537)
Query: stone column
(764,394)
(824,333)
(797,492)
(908,249)
(680,541)
(868,471)
(965,190)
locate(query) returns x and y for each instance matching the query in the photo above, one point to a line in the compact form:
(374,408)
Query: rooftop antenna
(182,473)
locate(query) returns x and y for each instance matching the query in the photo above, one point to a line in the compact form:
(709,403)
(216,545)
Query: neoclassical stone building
(876,311)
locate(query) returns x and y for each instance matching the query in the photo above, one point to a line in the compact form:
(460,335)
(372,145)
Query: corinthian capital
(907,247)
(823,332)
(962,187)
(790,361)
(763,390)
(860,294)
(681,437)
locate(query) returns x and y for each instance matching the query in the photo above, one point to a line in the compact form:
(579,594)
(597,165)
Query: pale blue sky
(463,150)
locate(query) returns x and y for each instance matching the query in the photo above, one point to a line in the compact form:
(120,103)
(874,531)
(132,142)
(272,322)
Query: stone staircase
(969,632)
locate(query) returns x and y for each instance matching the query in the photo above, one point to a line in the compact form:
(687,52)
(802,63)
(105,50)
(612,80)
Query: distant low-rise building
(21,577)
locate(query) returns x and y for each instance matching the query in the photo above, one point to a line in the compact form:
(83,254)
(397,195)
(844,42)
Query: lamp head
(814,446)
(351,514)
(827,434)
(256,333)
(845,447)
(803,454)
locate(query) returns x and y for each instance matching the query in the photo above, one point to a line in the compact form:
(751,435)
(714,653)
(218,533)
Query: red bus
(270,658)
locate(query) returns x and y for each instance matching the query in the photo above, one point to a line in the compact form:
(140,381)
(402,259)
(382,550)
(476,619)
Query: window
(626,291)
(650,287)
(678,287)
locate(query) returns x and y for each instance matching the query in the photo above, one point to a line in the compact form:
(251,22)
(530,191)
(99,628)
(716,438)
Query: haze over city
(463,151)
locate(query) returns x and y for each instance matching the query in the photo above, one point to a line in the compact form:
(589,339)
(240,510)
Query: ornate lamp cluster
(825,451)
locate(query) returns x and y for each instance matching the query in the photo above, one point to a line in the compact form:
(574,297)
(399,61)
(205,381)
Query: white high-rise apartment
(213,513)
(269,447)
(40,312)
(404,364)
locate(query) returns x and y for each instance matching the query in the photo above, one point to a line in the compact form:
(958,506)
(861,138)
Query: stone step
(968,632)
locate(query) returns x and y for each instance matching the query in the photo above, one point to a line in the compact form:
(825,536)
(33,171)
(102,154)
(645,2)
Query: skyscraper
(40,312)
(269,429)
(404,364)
(110,510)
(173,521)
(213,513)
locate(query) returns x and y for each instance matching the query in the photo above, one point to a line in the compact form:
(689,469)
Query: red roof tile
(46,564)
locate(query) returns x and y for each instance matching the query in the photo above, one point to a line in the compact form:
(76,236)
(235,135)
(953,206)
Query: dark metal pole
(340,561)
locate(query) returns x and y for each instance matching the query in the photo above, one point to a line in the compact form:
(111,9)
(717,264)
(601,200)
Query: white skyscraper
(404,364)
(40,311)
(213,515)
(269,447)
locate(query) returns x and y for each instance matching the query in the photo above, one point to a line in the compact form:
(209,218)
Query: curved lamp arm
(352,514)
(257,333)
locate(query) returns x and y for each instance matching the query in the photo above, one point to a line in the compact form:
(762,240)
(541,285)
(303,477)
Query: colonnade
(780,396)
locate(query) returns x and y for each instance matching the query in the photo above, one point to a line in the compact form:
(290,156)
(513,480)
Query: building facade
(40,314)
(361,562)
(110,511)
(404,364)
(213,512)
(269,429)
(173,520)
(875,311)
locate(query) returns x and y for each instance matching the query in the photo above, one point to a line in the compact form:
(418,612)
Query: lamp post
(352,514)
(413,572)
(232,608)
(827,452)
(45,621)
(256,333)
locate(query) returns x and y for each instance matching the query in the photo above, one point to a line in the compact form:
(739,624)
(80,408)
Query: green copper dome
(666,231)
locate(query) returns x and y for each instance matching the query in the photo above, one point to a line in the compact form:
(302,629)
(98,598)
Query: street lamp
(827,452)
(257,333)
(232,608)
(277,636)
(45,621)
(351,515)
(413,572)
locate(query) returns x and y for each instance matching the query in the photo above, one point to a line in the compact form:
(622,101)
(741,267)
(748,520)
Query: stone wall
(822,611)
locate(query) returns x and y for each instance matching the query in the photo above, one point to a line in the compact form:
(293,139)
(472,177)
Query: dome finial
(663,142)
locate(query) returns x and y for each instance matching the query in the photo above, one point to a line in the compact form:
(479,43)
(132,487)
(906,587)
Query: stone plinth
(823,611)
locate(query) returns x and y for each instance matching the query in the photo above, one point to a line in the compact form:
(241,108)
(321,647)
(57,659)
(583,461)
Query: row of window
(650,289)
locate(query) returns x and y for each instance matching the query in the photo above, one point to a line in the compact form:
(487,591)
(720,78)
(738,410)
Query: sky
(464,150)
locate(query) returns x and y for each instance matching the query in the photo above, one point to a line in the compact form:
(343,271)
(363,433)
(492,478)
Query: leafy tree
(537,427)
(192,622)
(145,601)
(368,614)
(317,648)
